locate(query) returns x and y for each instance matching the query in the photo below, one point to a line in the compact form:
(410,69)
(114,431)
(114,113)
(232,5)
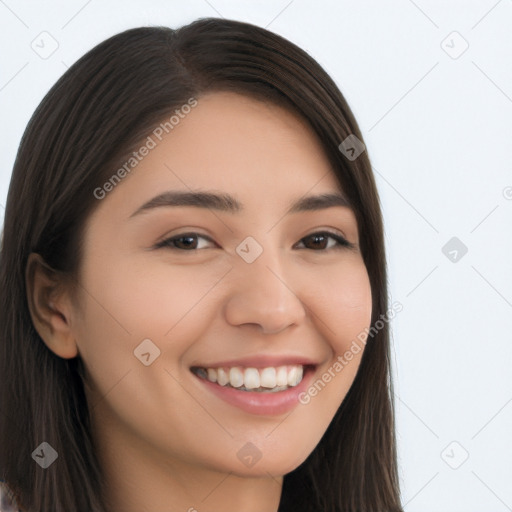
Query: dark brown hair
(94,116)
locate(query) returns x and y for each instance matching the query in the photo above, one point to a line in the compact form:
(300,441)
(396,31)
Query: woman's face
(250,289)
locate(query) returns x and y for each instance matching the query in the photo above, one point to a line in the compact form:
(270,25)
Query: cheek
(125,304)
(148,297)
(129,301)
(342,303)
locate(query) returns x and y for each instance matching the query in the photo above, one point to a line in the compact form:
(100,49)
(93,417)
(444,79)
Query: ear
(49,307)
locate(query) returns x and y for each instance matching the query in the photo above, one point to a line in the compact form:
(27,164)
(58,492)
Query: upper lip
(260,361)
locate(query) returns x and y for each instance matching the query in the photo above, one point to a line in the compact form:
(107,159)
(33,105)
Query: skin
(165,442)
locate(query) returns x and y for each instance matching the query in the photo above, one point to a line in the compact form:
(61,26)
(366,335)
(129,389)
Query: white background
(437,124)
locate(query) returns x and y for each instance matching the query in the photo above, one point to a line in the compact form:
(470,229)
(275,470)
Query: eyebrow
(229,204)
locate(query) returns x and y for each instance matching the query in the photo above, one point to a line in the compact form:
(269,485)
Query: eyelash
(341,243)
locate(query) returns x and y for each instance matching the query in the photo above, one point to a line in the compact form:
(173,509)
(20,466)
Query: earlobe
(48,307)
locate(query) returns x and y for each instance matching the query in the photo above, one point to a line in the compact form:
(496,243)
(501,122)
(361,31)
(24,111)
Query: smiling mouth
(261,380)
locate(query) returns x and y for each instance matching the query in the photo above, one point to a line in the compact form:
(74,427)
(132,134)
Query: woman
(193,285)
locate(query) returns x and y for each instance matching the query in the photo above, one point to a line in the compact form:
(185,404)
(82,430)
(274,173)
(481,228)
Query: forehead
(255,150)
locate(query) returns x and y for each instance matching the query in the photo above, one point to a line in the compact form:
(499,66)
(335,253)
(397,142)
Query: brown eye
(184,242)
(320,241)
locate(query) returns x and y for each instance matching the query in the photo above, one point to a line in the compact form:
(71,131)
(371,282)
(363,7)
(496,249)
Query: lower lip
(254,402)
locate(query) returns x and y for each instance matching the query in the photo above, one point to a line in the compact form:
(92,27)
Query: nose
(261,296)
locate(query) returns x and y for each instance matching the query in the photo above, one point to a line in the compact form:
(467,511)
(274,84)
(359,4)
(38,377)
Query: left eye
(186,241)
(323,236)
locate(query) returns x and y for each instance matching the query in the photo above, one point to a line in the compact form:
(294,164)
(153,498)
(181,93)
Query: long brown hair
(97,113)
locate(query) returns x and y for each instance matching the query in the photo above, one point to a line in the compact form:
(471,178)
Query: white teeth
(251,378)
(294,375)
(236,377)
(264,379)
(268,378)
(282,376)
(222,377)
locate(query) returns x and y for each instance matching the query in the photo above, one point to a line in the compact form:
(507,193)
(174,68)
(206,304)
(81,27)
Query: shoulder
(7,501)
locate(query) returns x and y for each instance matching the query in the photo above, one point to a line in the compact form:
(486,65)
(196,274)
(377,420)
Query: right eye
(183,242)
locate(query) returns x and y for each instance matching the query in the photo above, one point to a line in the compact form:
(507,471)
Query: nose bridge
(261,294)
